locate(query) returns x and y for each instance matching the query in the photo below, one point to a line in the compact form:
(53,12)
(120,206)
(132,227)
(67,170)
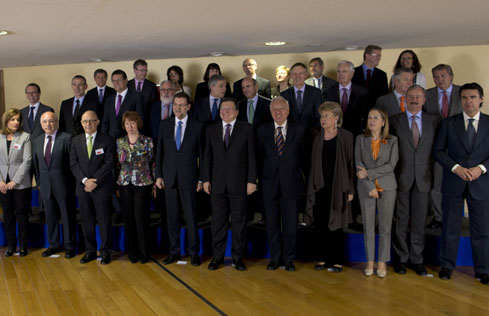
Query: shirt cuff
(455,167)
(84,179)
(484,170)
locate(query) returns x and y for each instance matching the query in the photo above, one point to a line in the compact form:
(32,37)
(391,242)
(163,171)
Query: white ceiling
(65,31)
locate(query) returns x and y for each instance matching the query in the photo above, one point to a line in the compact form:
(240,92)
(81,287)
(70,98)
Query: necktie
(369,77)
(118,105)
(227,135)
(31,117)
(401,102)
(47,152)
(279,141)
(214,109)
(471,133)
(444,104)
(100,95)
(344,100)
(178,136)
(89,146)
(299,100)
(164,112)
(77,110)
(138,89)
(415,130)
(251,111)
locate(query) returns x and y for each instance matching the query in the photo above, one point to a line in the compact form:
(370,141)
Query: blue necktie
(299,100)
(100,95)
(214,110)
(471,133)
(31,117)
(178,137)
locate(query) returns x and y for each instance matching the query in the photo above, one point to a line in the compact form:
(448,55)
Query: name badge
(99,151)
(17,146)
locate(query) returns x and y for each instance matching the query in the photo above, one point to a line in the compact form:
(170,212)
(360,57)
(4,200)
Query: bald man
(249,67)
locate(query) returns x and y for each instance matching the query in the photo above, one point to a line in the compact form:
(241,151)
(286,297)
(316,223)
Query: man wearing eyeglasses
(249,68)
(145,88)
(161,109)
(31,114)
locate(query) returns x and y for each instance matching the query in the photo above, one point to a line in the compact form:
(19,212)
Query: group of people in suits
(320,145)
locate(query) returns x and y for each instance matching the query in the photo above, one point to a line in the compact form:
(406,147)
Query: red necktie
(369,77)
(415,130)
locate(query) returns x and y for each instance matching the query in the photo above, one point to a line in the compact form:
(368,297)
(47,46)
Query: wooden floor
(57,286)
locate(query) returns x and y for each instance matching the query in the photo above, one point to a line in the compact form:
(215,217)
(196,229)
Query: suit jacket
(285,172)
(179,166)
(36,129)
(390,103)
(202,90)
(99,166)
(415,164)
(68,123)
(149,93)
(262,111)
(451,147)
(354,119)
(56,178)
(112,123)
(432,106)
(263,88)
(381,169)
(202,111)
(378,84)
(327,83)
(311,100)
(155,120)
(93,94)
(229,170)
(17,163)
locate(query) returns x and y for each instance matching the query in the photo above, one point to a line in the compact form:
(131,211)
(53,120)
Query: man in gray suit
(51,160)
(317,79)
(416,132)
(395,102)
(442,100)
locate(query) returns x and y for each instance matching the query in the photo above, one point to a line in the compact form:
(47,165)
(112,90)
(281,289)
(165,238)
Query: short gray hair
(347,62)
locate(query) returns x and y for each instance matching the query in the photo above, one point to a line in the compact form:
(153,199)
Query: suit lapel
(15,139)
(482,131)
(289,138)
(40,150)
(405,127)
(426,130)
(460,130)
(234,133)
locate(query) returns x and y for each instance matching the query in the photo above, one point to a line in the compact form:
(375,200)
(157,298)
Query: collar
(184,120)
(449,90)
(93,136)
(36,106)
(123,93)
(283,126)
(347,87)
(232,124)
(475,117)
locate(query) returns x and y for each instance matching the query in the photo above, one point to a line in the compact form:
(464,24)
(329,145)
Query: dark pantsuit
(220,223)
(97,206)
(135,202)
(411,205)
(67,210)
(16,205)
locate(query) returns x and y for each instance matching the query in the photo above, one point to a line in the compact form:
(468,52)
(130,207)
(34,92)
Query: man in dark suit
(119,103)
(303,99)
(249,68)
(31,114)
(92,162)
(101,92)
(161,109)
(351,97)
(229,174)
(369,76)
(416,133)
(395,102)
(72,109)
(444,101)
(51,160)
(462,148)
(206,110)
(145,88)
(177,157)
(254,109)
(281,153)
(318,79)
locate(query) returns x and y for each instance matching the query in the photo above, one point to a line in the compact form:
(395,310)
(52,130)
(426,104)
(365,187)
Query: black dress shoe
(106,259)
(70,253)
(484,277)
(445,274)
(214,265)
(434,224)
(290,267)
(337,268)
(9,252)
(400,268)
(320,266)
(144,260)
(272,265)
(133,259)
(239,265)
(50,251)
(420,269)
(195,261)
(88,257)
(171,259)
(23,252)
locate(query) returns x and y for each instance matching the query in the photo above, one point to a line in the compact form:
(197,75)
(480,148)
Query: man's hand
(464,173)
(250,188)
(90,185)
(350,197)
(160,184)
(476,172)
(207,187)
(199,186)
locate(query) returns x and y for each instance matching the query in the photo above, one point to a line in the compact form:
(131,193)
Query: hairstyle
(347,62)
(472,86)
(171,82)
(443,67)
(230,100)
(100,71)
(318,59)
(384,131)
(132,116)
(297,65)
(178,70)
(416,86)
(279,98)
(415,67)
(399,71)
(284,68)
(334,108)
(139,62)
(182,95)
(119,72)
(209,67)
(214,79)
(32,84)
(255,83)
(81,78)
(6,117)
(369,49)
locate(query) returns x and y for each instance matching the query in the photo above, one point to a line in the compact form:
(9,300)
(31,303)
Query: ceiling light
(275,43)
(217,54)
(350,48)
(3,32)
(96,60)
